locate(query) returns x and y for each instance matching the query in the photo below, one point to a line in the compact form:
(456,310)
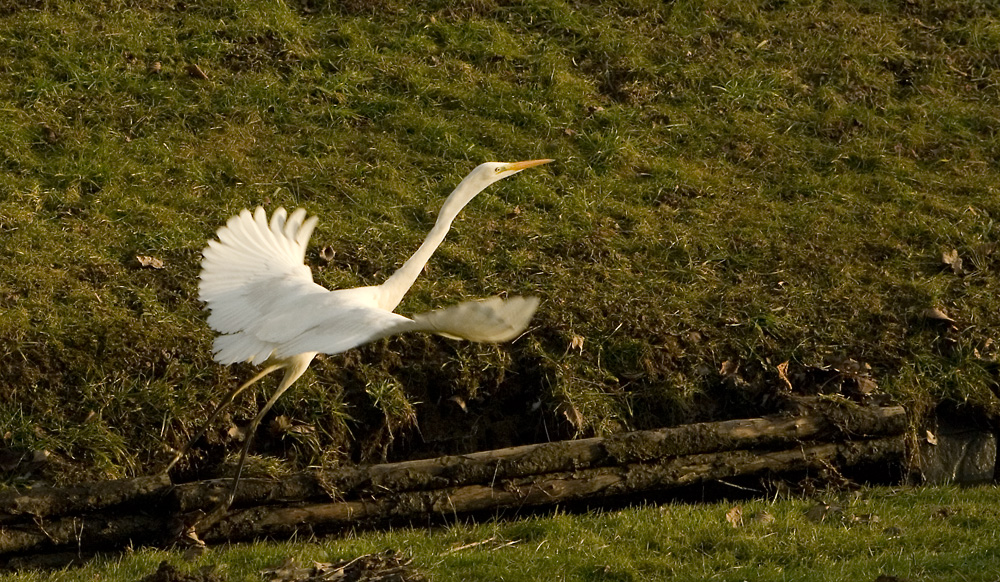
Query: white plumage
(265,305)
(266,308)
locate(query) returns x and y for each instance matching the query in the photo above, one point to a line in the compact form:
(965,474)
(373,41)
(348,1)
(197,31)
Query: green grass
(753,182)
(922,535)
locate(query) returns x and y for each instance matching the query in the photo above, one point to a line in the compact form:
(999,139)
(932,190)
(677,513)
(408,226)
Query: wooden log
(93,531)
(18,506)
(151,510)
(111,531)
(830,423)
(548,489)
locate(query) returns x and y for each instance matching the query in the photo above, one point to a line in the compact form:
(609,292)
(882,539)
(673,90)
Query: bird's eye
(499,169)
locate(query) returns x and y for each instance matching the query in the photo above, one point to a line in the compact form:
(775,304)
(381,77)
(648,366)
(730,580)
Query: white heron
(267,309)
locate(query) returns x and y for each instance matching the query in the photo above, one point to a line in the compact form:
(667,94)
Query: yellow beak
(518,166)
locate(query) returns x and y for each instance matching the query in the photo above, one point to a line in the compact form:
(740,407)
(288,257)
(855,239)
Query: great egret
(267,309)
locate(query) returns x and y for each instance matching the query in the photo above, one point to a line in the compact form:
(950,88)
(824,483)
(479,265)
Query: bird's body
(267,310)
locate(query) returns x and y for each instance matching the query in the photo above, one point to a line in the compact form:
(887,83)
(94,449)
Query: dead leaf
(865,384)
(735,516)
(729,370)
(149,262)
(236,432)
(783,374)
(196,72)
(572,414)
(458,400)
(155,68)
(931,438)
(938,315)
(576,343)
(953,261)
(280,425)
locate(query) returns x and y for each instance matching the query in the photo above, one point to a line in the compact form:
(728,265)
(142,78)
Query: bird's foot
(190,527)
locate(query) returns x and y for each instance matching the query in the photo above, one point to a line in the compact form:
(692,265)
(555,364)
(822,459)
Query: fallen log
(46,501)
(832,423)
(109,531)
(549,489)
(94,531)
(150,510)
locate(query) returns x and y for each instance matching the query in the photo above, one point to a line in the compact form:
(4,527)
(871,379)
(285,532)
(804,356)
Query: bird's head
(490,172)
(477,180)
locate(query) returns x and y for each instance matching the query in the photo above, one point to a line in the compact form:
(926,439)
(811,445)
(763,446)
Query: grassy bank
(925,535)
(738,185)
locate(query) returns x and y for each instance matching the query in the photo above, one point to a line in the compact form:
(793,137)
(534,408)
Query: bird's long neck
(396,286)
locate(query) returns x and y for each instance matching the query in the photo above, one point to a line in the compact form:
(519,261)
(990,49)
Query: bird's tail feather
(484,320)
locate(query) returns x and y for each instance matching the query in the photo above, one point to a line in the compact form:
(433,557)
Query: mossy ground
(744,182)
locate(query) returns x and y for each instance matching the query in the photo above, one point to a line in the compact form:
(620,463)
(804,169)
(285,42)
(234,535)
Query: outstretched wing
(343,323)
(252,276)
(484,320)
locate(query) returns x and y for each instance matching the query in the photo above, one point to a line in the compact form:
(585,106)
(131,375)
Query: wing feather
(252,278)
(483,320)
